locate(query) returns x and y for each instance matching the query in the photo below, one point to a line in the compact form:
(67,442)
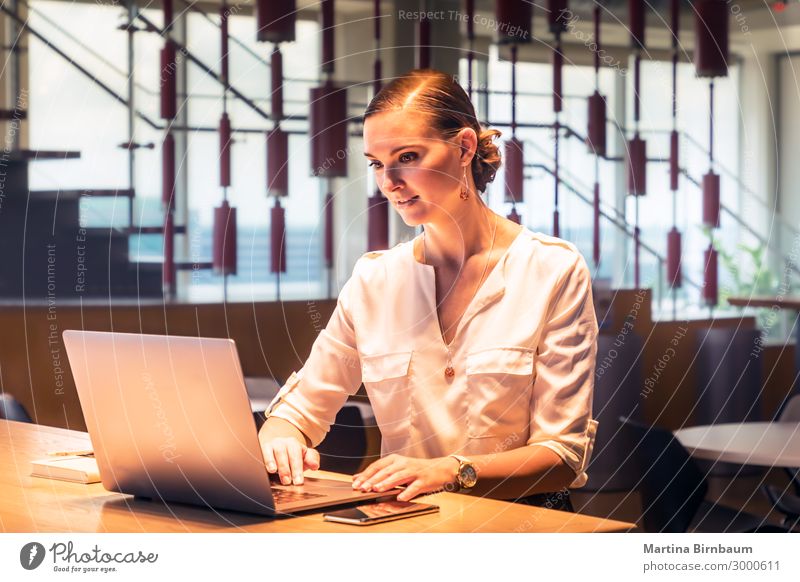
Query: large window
(68,111)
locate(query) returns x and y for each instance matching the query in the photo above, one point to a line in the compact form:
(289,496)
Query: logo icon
(31,555)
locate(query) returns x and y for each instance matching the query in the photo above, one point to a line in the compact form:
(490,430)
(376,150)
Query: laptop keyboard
(290,496)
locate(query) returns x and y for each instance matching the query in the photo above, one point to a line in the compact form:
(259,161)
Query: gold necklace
(449,372)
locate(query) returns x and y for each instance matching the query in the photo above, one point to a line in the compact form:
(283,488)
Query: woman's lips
(408,202)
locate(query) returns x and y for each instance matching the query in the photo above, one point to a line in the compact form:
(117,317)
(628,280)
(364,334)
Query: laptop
(170,420)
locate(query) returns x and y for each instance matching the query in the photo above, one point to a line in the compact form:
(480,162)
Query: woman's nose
(391,180)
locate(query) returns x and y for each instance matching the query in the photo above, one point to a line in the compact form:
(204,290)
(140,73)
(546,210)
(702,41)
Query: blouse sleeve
(561,401)
(312,397)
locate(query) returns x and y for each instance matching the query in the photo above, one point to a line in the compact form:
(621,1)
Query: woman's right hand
(287,457)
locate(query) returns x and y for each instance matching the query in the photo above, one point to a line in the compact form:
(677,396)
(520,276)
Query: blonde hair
(449,109)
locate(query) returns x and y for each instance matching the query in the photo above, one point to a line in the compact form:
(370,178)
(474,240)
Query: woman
(475,341)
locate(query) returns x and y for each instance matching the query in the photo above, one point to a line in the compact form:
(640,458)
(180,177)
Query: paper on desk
(78,469)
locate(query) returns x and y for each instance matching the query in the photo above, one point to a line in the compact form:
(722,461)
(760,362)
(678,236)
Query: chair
(729,386)
(11,409)
(787,503)
(618,381)
(673,489)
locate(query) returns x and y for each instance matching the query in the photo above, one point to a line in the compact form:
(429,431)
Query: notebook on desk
(169,419)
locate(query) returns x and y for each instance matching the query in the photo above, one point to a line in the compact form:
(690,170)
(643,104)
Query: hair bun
(487,159)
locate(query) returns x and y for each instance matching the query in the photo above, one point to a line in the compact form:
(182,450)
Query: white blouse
(523,355)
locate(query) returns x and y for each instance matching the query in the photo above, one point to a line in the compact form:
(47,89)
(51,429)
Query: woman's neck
(464,233)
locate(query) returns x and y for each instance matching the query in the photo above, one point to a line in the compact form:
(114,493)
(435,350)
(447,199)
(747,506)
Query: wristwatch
(467,475)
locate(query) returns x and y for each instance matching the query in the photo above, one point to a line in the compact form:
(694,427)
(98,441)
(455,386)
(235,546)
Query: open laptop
(169,419)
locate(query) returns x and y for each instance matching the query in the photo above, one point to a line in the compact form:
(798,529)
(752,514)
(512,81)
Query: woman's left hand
(420,475)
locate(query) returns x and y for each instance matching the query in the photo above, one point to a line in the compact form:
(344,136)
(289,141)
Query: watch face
(468,476)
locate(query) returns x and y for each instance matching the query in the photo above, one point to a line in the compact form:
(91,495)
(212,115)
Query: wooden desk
(767,444)
(32,504)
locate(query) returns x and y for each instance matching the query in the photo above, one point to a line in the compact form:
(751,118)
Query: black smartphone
(379,512)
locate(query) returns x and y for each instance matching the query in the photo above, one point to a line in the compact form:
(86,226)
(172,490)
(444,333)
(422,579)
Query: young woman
(475,341)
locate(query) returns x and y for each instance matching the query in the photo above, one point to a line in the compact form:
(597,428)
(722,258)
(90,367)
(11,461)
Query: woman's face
(418,170)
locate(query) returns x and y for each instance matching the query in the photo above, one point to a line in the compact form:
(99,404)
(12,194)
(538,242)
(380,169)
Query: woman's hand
(420,475)
(289,458)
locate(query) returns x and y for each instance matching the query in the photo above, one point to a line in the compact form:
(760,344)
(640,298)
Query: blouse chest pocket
(499,382)
(386,379)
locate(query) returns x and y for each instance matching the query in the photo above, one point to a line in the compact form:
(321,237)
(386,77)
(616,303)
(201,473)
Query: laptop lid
(169,418)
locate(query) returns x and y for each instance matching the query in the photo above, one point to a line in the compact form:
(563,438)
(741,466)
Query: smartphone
(379,512)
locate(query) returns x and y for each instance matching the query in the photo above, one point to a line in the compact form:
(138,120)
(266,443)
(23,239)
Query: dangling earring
(464,188)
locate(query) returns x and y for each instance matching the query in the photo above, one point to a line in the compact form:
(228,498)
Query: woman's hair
(439,97)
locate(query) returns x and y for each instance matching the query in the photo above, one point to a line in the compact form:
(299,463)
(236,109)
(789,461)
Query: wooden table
(768,444)
(32,504)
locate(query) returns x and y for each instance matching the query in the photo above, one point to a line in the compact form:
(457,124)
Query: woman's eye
(408,157)
(374,165)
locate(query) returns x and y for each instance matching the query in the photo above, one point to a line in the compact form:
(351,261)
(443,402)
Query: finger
(282,459)
(399,478)
(411,491)
(381,475)
(296,454)
(269,458)
(367,473)
(311,459)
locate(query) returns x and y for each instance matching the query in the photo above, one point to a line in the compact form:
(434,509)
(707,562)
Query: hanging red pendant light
(328,126)
(674,275)
(169,72)
(168,14)
(275,20)
(224,151)
(423,43)
(276,85)
(278,238)
(168,267)
(558,65)
(674,167)
(636,23)
(377,222)
(710,295)
(168,170)
(637,166)
(711,201)
(596,134)
(557,13)
(515,170)
(711,38)
(596,225)
(514,216)
(224,247)
(328,27)
(278,162)
(514,21)
(329,230)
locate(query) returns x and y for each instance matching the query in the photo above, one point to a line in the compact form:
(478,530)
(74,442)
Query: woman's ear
(467,139)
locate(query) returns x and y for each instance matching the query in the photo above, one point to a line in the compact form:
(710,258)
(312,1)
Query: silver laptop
(169,419)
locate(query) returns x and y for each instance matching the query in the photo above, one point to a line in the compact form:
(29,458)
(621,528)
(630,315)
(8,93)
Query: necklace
(449,372)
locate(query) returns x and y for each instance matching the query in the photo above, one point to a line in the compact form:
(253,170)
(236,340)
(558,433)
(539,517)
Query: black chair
(618,381)
(786,503)
(11,409)
(780,498)
(673,489)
